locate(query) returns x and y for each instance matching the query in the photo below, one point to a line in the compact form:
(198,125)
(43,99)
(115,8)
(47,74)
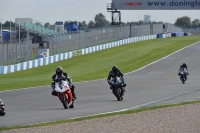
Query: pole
(10,37)
(19,44)
(1,42)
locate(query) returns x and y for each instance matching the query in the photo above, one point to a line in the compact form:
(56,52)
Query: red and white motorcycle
(2,109)
(64,93)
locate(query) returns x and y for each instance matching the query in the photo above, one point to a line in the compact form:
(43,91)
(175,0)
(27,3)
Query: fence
(78,40)
(20,51)
(15,52)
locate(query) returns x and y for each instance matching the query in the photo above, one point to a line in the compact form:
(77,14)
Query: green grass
(97,65)
(98,116)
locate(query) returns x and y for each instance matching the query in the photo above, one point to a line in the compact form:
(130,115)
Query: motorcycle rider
(2,111)
(64,76)
(182,69)
(112,73)
(186,67)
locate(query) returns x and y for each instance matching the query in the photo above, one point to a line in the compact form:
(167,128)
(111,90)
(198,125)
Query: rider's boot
(54,93)
(74,95)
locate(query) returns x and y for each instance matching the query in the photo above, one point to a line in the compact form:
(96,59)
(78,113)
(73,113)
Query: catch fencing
(79,40)
(15,52)
(20,51)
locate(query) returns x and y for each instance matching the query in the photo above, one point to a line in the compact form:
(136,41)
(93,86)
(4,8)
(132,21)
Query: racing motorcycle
(117,87)
(64,93)
(2,109)
(183,75)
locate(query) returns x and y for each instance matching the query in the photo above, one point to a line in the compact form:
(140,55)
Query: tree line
(101,21)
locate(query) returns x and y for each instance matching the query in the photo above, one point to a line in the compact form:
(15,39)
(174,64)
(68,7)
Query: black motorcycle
(117,88)
(183,75)
(2,109)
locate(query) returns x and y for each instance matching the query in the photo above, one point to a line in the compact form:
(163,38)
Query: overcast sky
(80,10)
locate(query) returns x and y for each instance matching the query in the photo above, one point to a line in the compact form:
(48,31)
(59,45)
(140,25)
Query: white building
(59,27)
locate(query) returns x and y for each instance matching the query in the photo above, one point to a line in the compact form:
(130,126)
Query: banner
(156,4)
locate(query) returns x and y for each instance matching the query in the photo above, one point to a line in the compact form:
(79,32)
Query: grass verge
(98,116)
(97,65)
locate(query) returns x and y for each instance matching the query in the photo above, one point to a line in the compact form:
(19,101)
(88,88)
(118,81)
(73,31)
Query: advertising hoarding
(156,4)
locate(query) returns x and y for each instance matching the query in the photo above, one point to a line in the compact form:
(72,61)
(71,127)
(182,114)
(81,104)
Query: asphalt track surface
(155,84)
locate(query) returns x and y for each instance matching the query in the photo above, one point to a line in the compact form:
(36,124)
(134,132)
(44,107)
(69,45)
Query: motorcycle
(117,87)
(64,93)
(183,75)
(2,109)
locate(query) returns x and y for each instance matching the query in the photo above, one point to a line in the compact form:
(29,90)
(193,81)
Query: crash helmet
(1,102)
(184,65)
(114,69)
(59,71)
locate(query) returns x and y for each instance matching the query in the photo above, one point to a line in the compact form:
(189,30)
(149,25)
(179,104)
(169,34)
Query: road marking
(131,108)
(141,105)
(124,74)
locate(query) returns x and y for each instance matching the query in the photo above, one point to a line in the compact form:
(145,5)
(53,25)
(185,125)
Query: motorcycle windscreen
(61,86)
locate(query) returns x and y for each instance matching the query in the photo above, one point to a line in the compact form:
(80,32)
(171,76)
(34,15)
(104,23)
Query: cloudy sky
(80,10)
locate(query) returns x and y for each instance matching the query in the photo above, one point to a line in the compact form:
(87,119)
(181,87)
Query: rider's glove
(70,85)
(124,84)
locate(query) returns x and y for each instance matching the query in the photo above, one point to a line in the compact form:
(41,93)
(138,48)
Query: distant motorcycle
(183,75)
(2,109)
(64,93)
(117,86)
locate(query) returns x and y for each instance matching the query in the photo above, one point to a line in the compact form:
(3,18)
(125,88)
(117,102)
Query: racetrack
(155,84)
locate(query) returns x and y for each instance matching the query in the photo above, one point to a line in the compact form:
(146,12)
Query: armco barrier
(175,34)
(161,35)
(63,56)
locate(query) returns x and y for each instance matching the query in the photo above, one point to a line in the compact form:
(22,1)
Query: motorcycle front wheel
(65,102)
(117,92)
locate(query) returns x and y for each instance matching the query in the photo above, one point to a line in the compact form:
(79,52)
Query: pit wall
(64,56)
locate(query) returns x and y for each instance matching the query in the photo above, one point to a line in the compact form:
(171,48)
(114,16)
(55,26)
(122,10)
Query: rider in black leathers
(62,75)
(184,66)
(116,71)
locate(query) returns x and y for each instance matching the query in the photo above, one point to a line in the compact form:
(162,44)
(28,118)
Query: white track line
(141,105)
(125,73)
(134,107)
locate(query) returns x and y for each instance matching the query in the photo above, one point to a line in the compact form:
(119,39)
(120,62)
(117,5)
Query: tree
(140,22)
(7,24)
(83,25)
(196,23)
(47,25)
(183,22)
(91,24)
(100,20)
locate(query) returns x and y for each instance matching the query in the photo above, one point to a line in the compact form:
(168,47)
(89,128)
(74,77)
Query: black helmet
(59,71)
(184,65)
(114,69)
